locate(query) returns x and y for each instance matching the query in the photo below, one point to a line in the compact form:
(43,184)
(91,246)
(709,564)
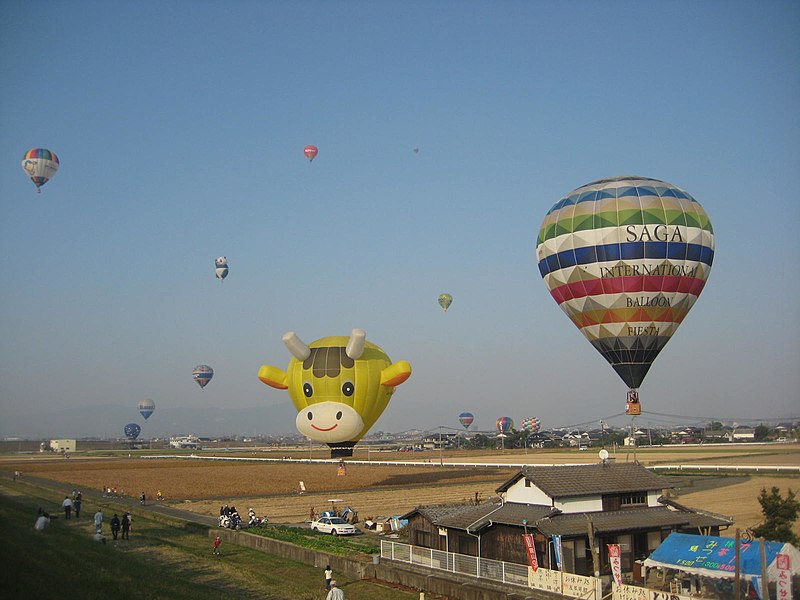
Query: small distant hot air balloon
(202,374)
(445,300)
(311,152)
(416,150)
(530,424)
(466,419)
(504,425)
(40,164)
(626,259)
(146,408)
(221,264)
(132,431)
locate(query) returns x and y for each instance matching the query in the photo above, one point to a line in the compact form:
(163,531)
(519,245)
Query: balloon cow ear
(274,377)
(396,373)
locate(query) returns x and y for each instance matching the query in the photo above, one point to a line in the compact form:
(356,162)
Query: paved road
(93,496)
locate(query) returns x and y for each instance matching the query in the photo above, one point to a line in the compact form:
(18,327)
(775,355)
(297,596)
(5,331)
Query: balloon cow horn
(355,345)
(296,346)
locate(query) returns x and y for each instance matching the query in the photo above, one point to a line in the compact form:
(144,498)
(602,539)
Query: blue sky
(181,125)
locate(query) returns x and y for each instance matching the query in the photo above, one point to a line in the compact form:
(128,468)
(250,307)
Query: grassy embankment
(162,560)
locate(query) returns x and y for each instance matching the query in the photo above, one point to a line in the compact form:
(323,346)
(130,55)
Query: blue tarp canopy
(713,556)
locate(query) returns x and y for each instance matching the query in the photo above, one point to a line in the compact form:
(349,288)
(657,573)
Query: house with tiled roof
(579,506)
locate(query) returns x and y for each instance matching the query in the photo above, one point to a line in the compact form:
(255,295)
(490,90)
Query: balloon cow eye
(308,390)
(348,388)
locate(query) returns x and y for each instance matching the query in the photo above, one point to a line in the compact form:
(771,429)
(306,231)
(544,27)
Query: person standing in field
(76,504)
(142,498)
(98,521)
(328,577)
(67,504)
(335,593)
(115,525)
(126,525)
(217,542)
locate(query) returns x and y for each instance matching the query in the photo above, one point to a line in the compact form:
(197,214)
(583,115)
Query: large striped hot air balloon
(40,164)
(626,259)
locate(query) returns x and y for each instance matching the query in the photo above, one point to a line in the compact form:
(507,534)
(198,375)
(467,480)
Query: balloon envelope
(202,374)
(626,258)
(132,431)
(504,425)
(146,408)
(445,300)
(40,164)
(311,152)
(221,265)
(339,385)
(466,419)
(530,424)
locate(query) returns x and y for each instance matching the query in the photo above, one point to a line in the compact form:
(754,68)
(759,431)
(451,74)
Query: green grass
(162,560)
(325,543)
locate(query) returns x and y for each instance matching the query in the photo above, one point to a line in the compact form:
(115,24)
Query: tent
(712,556)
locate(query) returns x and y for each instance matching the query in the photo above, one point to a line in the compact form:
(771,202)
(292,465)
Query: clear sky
(180,126)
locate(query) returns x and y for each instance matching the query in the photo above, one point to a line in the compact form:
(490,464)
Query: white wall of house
(580,504)
(527,495)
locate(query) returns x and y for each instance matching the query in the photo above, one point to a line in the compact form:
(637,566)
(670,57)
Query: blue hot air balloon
(132,431)
(146,407)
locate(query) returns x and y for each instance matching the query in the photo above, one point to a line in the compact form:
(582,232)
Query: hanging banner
(615,560)
(530,546)
(557,550)
(784,564)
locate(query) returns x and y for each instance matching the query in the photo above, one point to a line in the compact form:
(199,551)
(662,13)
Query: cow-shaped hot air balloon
(626,259)
(339,385)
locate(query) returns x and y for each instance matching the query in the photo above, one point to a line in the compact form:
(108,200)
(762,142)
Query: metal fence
(485,568)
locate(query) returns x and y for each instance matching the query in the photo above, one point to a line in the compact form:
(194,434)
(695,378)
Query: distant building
(185,442)
(63,446)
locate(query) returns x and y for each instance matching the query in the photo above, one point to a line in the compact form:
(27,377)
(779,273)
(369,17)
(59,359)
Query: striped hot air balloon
(626,259)
(40,164)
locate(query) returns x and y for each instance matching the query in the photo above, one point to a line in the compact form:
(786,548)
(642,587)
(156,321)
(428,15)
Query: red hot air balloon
(311,152)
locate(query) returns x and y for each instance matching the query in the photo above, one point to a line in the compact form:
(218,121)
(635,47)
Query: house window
(633,499)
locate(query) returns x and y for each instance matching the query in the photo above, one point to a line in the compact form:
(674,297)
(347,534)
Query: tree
(761,432)
(779,516)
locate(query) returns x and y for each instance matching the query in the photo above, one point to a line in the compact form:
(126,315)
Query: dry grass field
(271,488)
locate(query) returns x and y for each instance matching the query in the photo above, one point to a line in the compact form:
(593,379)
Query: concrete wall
(449,585)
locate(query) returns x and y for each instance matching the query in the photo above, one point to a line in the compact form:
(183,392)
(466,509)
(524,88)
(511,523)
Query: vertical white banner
(615,559)
(784,564)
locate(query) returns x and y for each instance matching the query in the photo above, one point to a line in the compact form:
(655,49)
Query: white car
(334,526)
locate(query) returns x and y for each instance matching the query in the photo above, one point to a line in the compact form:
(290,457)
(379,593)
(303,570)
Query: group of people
(73,504)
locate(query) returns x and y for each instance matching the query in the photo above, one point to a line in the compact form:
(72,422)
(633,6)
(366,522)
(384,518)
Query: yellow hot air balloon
(340,386)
